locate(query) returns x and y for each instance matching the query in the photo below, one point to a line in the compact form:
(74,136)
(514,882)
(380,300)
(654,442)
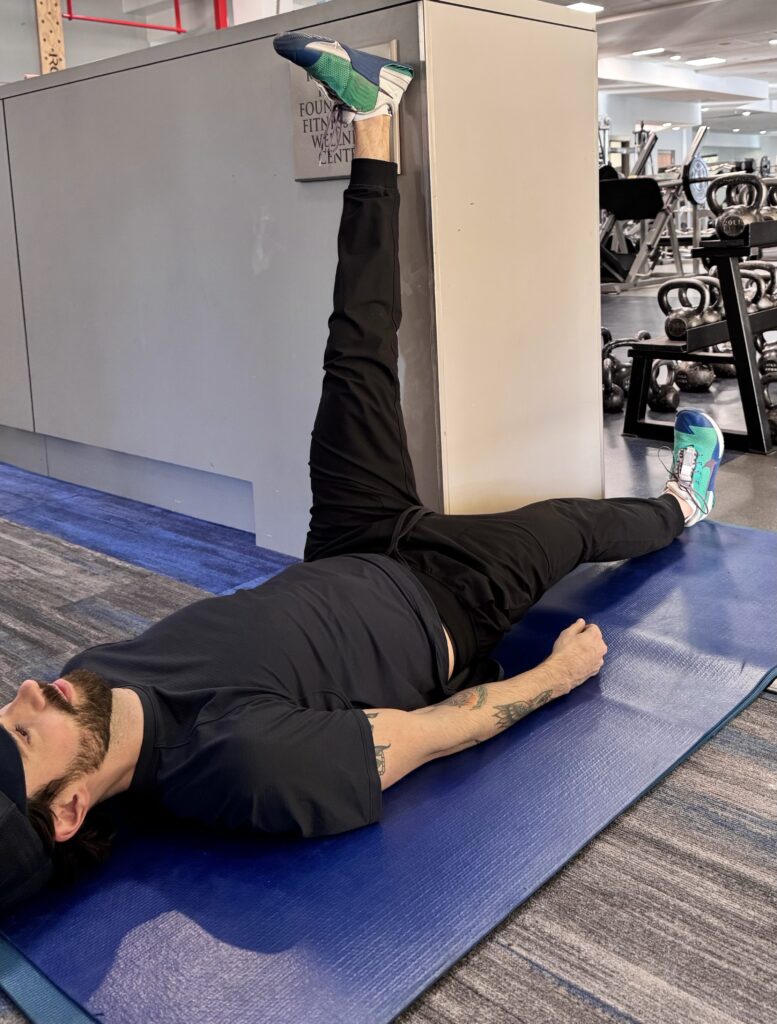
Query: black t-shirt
(251,700)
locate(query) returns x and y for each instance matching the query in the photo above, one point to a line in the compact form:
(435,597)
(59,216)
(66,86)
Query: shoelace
(686,474)
(333,133)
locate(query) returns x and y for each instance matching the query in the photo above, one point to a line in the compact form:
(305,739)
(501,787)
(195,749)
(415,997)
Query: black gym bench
(738,327)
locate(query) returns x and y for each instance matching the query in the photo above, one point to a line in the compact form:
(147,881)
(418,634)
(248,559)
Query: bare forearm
(404,740)
(477,714)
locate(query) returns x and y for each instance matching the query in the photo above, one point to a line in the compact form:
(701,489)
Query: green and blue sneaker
(364,84)
(698,449)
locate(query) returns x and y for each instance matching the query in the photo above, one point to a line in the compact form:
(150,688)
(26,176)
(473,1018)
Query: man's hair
(87,849)
(90,846)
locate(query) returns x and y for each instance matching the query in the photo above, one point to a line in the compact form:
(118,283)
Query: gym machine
(691,183)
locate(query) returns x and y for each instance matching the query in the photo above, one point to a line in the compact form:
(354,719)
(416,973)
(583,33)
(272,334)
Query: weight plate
(694,185)
(765,167)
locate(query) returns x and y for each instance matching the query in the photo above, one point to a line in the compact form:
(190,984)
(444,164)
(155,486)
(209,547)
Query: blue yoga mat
(182,926)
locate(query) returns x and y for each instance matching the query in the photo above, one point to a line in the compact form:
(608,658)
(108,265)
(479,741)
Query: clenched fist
(579,652)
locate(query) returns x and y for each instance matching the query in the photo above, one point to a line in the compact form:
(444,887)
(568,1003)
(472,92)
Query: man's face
(60,733)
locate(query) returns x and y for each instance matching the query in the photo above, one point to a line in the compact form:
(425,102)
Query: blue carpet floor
(216,558)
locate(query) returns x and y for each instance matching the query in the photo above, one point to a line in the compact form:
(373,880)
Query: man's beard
(93,717)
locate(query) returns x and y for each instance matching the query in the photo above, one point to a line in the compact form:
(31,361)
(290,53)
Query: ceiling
(736,30)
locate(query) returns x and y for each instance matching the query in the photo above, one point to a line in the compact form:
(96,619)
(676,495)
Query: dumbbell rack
(738,327)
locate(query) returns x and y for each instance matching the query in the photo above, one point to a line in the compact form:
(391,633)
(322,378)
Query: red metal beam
(178,27)
(220,14)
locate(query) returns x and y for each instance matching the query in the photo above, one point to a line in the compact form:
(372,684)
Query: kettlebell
(728,370)
(694,376)
(712,314)
(740,194)
(771,405)
(612,394)
(680,320)
(753,288)
(771,193)
(767,356)
(767,272)
(663,397)
(731,221)
(621,372)
(769,206)
(760,281)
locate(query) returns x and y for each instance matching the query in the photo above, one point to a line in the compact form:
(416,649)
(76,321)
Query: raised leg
(360,470)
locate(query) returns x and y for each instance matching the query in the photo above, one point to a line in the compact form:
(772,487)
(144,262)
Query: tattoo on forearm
(470,699)
(380,758)
(508,714)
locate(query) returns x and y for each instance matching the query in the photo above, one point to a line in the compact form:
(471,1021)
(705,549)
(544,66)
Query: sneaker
(698,449)
(361,82)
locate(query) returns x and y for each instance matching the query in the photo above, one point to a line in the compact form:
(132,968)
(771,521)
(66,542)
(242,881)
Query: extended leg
(497,565)
(360,470)
(494,567)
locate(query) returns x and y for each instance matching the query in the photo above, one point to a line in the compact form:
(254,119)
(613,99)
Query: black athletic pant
(483,572)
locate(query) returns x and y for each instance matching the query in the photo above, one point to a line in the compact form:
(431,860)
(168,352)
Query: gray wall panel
(178,280)
(217,499)
(24,449)
(15,400)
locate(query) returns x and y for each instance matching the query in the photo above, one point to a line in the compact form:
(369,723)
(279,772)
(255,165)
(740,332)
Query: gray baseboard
(192,492)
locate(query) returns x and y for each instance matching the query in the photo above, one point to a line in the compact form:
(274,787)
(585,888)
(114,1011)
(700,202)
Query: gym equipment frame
(738,327)
(693,173)
(220,19)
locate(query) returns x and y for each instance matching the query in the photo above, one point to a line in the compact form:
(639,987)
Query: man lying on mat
(289,707)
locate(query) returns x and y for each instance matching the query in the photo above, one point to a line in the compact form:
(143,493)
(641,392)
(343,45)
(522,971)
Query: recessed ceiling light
(701,62)
(647,53)
(586,8)
(762,132)
(704,110)
(734,129)
(773,42)
(676,57)
(746,113)
(676,128)
(667,124)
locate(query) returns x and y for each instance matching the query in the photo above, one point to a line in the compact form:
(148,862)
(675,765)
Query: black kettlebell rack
(738,327)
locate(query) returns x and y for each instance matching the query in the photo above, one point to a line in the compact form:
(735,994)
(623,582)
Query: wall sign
(310,116)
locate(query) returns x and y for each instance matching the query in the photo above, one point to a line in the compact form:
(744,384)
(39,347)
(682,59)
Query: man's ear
(69,810)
